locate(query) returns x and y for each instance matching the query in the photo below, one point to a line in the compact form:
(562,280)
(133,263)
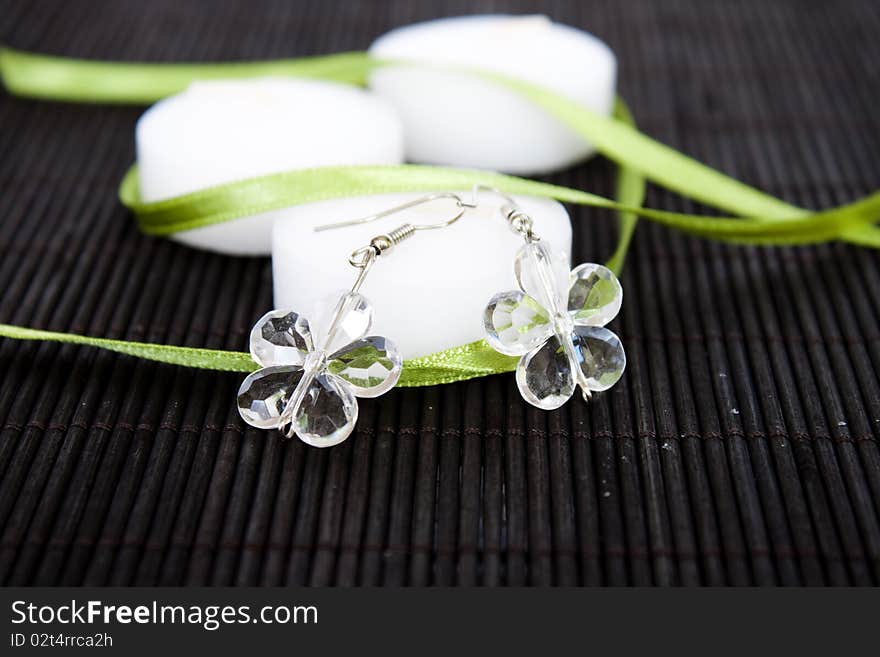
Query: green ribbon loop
(255,195)
(763,218)
(78,80)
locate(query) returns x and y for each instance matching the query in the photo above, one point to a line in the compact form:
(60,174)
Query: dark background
(739,448)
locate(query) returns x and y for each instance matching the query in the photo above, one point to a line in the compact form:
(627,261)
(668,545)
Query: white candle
(461,120)
(429,292)
(221,131)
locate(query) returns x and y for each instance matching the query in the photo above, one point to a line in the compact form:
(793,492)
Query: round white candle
(429,292)
(221,131)
(459,119)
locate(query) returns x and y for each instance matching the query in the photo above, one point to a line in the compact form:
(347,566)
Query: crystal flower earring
(312,372)
(555,321)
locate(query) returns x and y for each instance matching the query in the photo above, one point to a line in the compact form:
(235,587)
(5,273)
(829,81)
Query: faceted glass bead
(281,337)
(327,413)
(371,365)
(350,312)
(545,377)
(600,356)
(515,323)
(543,274)
(595,295)
(264,393)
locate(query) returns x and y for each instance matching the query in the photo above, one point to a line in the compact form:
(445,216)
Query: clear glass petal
(515,323)
(545,376)
(600,356)
(595,295)
(543,274)
(341,318)
(327,413)
(371,365)
(263,395)
(281,337)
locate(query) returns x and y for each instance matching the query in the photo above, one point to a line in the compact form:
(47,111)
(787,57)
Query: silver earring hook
(364,257)
(461,205)
(519,222)
(478,187)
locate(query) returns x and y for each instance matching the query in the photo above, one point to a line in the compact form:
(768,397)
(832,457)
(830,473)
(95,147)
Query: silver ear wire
(364,257)
(477,188)
(459,203)
(519,222)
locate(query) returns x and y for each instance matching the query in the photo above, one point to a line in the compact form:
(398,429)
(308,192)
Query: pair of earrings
(312,372)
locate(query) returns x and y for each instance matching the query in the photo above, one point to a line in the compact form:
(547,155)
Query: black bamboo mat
(740,447)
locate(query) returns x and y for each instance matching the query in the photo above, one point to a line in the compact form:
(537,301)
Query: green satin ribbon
(78,80)
(88,81)
(629,189)
(255,195)
(456,364)
(768,220)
